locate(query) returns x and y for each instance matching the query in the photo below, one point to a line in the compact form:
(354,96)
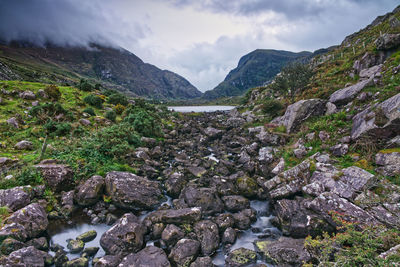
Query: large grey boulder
(26,257)
(184,252)
(347,94)
(205,198)
(380,121)
(389,163)
(179,216)
(208,234)
(387,41)
(148,257)
(300,111)
(126,236)
(24,145)
(28,95)
(59,177)
(16,198)
(90,191)
(130,191)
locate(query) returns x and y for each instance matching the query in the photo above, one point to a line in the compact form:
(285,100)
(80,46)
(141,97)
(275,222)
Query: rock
(172,234)
(16,198)
(15,231)
(32,218)
(13,122)
(28,95)
(75,246)
(387,41)
(184,252)
(59,177)
(339,150)
(234,122)
(280,167)
(90,191)
(149,142)
(208,236)
(78,262)
(394,251)
(26,257)
(87,236)
(180,216)
(229,236)
(289,182)
(241,257)
(205,198)
(368,60)
(380,121)
(324,136)
(390,163)
(330,108)
(41,93)
(197,171)
(244,218)
(310,136)
(133,192)
(24,145)
(300,152)
(60,258)
(300,111)
(126,236)
(85,122)
(203,262)
(212,133)
(90,252)
(266,155)
(347,94)
(236,203)
(39,243)
(371,72)
(9,245)
(108,261)
(247,186)
(224,221)
(175,183)
(284,252)
(148,257)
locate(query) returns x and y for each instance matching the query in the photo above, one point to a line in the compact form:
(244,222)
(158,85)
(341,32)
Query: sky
(202,40)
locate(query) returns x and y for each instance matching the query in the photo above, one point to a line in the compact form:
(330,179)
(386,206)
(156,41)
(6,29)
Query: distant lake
(201,108)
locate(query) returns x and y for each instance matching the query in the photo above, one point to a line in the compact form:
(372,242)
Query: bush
(117,98)
(57,129)
(89,111)
(272,107)
(144,122)
(49,110)
(53,92)
(119,109)
(85,86)
(94,101)
(111,115)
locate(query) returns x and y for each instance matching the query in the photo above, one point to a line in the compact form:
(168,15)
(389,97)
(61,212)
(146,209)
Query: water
(201,108)
(258,230)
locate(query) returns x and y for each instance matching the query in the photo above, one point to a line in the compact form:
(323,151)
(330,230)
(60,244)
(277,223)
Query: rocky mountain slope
(112,67)
(254,69)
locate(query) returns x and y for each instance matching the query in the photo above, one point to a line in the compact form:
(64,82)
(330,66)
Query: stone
(300,111)
(205,198)
(236,203)
(266,155)
(108,261)
(78,262)
(229,236)
(172,234)
(59,177)
(90,252)
(28,95)
(197,171)
(13,122)
(184,252)
(324,136)
(213,133)
(175,183)
(244,218)
(75,246)
(126,236)
(130,191)
(347,94)
(247,186)
(224,221)
(16,198)
(390,163)
(9,245)
(39,243)
(179,216)
(87,236)
(371,72)
(85,122)
(203,262)
(330,108)
(300,152)
(284,252)
(90,191)
(150,256)
(280,167)
(241,257)
(208,235)
(339,150)
(26,257)
(24,145)
(387,41)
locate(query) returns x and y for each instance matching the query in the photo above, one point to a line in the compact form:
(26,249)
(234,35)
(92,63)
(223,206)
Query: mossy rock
(241,257)
(87,236)
(247,186)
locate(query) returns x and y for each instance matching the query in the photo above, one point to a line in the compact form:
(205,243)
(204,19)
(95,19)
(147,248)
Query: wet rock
(15,198)
(205,198)
(244,218)
(87,236)
(229,236)
(387,41)
(148,257)
(172,234)
(175,183)
(300,111)
(284,252)
(208,235)
(59,177)
(90,191)
(241,257)
(90,252)
(247,186)
(184,252)
(75,246)
(203,262)
(180,216)
(339,150)
(24,257)
(236,203)
(39,243)
(390,163)
(126,236)
(132,192)
(108,261)
(24,145)
(224,221)
(111,219)
(9,245)
(78,262)
(347,94)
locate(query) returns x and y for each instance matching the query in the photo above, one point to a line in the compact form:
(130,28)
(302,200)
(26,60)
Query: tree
(293,79)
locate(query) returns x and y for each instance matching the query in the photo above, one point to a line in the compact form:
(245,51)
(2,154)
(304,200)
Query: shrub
(119,109)
(57,129)
(111,115)
(89,111)
(272,107)
(97,86)
(85,86)
(53,92)
(94,101)
(49,110)
(144,122)
(118,98)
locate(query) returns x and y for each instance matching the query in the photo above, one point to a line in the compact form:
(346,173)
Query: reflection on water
(201,108)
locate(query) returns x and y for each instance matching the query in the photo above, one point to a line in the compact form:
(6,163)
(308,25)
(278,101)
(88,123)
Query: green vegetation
(94,100)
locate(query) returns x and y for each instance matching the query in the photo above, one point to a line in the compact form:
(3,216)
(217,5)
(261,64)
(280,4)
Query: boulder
(203,262)
(26,257)
(172,234)
(175,183)
(244,219)
(265,154)
(148,257)
(126,236)
(59,177)
(236,203)
(78,262)
(390,163)
(213,133)
(75,246)
(179,216)
(13,122)
(208,235)
(367,61)
(387,41)
(130,191)
(371,72)
(85,122)
(90,191)
(16,198)
(87,236)
(347,94)
(184,252)
(241,257)
(339,150)
(28,95)
(284,252)
(205,198)
(300,111)
(24,145)
(229,236)
(108,261)
(9,245)
(247,186)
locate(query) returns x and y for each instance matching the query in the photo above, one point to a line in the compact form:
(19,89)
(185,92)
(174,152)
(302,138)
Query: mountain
(112,67)
(254,69)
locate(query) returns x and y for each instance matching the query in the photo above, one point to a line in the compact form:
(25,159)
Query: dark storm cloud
(62,22)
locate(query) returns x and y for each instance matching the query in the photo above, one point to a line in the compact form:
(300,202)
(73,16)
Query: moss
(390,150)
(243,256)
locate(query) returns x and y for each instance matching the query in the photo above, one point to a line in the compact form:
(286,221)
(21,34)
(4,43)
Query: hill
(114,68)
(254,69)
